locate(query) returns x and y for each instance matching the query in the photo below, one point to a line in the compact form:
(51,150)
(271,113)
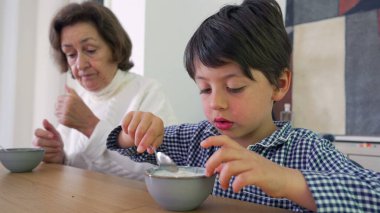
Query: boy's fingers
(221,156)
(242,180)
(125,122)
(150,150)
(158,141)
(133,124)
(143,127)
(145,143)
(151,139)
(229,169)
(220,140)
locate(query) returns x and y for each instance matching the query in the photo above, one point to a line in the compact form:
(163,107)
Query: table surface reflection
(59,188)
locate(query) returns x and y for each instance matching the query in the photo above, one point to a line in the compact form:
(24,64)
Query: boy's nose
(218,101)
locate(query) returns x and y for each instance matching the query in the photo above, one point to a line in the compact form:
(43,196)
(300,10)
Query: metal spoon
(165,162)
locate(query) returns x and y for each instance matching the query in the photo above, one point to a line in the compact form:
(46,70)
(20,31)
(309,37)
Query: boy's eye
(235,90)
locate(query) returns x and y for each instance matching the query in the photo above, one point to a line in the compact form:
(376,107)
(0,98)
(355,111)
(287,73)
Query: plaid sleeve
(112,144)
(338,185)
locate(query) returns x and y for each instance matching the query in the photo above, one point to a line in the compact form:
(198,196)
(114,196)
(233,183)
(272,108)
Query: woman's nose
(82,61)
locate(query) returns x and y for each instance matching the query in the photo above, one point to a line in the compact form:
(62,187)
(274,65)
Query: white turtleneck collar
(112,88)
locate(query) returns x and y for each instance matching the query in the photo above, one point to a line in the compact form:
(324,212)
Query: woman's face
(88,55)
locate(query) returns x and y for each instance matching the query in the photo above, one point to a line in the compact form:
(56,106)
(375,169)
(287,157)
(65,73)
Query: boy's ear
(283,85)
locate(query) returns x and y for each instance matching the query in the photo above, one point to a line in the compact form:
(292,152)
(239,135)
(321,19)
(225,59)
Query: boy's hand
(143,130)
(248,167)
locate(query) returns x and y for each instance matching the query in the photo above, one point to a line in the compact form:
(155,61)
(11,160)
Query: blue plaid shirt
(336,184)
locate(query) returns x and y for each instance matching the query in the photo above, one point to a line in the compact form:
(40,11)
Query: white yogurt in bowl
(182,172)
(179,191)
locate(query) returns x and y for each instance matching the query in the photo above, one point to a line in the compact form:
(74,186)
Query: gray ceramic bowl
(21,159)
(182,191)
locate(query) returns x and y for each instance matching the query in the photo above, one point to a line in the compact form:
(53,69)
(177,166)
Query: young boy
(239,59)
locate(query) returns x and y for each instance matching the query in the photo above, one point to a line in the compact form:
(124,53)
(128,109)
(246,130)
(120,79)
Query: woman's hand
(143,130)
(50,140)
(72,112)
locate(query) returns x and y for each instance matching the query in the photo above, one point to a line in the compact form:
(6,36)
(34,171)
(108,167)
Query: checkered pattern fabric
(336,184)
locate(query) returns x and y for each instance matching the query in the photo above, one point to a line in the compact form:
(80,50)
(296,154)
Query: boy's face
(237,106)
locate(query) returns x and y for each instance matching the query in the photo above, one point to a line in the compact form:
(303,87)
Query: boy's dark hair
(251,34)
(105,22)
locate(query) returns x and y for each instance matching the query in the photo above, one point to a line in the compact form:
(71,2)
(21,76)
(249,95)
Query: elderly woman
(90,43)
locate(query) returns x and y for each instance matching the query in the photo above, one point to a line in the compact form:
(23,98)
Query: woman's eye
(205,91)
(91,51)
(70,55)
(235,90)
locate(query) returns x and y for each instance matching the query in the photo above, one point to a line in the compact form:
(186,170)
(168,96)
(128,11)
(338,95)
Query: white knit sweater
(127,92)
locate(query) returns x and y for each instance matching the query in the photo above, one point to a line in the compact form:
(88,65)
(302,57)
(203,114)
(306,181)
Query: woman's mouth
(223,124)
(88,76)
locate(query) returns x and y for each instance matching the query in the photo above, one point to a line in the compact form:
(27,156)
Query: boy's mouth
(223,124)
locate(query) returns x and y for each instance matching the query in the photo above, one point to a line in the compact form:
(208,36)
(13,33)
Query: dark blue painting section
(362,55)
(301,11)
(364,5)
(362,74)
(304,11)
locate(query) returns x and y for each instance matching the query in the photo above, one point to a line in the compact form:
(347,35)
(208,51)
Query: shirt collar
(280,136)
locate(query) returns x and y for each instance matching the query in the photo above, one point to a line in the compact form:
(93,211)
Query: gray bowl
(178,192)
(21,159)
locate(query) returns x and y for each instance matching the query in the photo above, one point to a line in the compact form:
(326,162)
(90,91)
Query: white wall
(29,80)
(8,42)
(2,19)
(17,70)
(49,83)
(168,25)
(131,14)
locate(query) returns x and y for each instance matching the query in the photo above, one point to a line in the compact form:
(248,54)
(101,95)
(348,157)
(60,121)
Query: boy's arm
(337,184)
(298,191)
(124,140)
(131,152)
(141,129)
(139,132)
